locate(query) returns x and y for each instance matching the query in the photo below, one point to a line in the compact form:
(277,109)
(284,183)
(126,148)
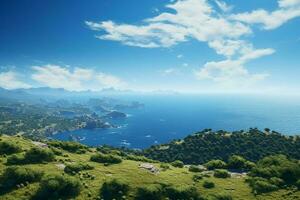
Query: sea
(167,117)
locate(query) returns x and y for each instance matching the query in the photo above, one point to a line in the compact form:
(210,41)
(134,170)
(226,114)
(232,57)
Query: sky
(189,46)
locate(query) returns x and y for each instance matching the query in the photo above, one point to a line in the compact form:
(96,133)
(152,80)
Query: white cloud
(78,79)
(288,9)
(169,71)
(191,19)
(185,64)
(212,22)
(179,56)
(223,6)
(10,80)
(232,73)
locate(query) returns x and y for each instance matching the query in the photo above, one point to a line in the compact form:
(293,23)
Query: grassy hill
(206,145)
(94,180)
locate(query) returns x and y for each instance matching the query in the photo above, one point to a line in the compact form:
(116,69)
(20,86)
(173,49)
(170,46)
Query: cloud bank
(211,22)
(55,76)
(11,80)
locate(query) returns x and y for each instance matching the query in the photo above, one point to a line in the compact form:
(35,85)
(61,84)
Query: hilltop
(66,170)
(206,145)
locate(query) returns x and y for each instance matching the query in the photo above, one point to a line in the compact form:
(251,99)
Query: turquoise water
(168,117)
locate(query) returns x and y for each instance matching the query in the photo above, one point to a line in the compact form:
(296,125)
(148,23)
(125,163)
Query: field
(130,172)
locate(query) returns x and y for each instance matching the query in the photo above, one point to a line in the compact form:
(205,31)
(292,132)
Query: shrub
(298,184)
(57,187)
(239,163)
(183,193)
(150,192)
(17,175)
(194,168)
(34,155)
(262,186)
(177,163)
(208,184)
(277,168)
(164,166)
(15,159)
(106,158)
(197,177)
(73,147)
(215,164)
(37,155)
(221,173)
(222,197)
(276,181)
(77,167)
(114,189)
(7,147)
(138,158)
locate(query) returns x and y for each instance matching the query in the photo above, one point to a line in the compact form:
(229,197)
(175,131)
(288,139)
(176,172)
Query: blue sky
(185,45)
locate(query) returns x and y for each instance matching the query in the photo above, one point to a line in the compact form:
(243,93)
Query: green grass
(129,172)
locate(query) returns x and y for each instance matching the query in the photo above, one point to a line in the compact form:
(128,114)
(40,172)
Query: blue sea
(168,117)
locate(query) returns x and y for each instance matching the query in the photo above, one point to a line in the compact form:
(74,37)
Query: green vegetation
(208,184)
(34,155)
(38,121)
(57,187)
(221,173)
(207,145)
(274,172)
(72,175)
(239,163)
(160,192)
(107,159)
(222,197)
(149,192)
(177,163)
(73,168)
(215,164)
(14,177)
(114,190)
(194,168)
(73,147)
(8,147)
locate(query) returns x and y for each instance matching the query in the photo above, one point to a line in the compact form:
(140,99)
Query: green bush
(215,164)
(222,197)
(114,189)
(38,155)
(15,159)
(221,173)
(138,158)
(177,163)
(182,193)
(276,181)
(197,177)
(150,192)
(262,186)
(208,184)
(58,187)
(239,163)
(277,170)
(77,167)
(34,155)
(7,147)
(106,158)
(73,147)
(164,166)
(17,175)
(298,184)
(194,168)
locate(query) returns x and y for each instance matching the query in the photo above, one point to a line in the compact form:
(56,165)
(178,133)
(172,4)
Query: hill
(206,145)
(67,170)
